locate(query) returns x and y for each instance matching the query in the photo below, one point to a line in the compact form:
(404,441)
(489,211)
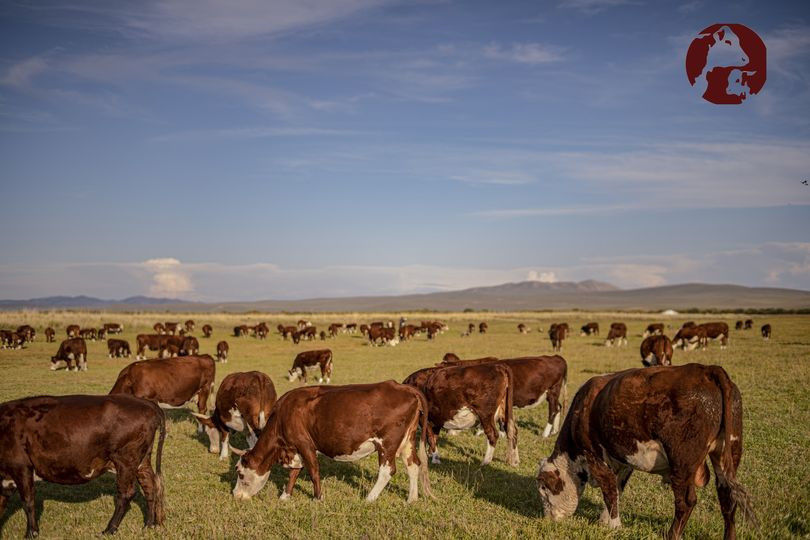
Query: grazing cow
(243,403)
(738,325)
(88,334)
(653,329)
(766,331)
(590,329)
(261,330)
(688,324)
(715,331)
(189,346)
(749,324)
(536,378)
(286,331)
(222,351)
(345,423)
(28,332)
(522,328)
(50,335)
(382,336)
(113,328)
(241,331)
(617,335)
(656,351)
(308,333)
(322,335)
(71,350)
(364,329)
(471,328)
(690,337)
(169,382)
(636,419)
(118,348)
(144,342)
(408,331)
(461,396)
(351,328)
(564,326)
(309,361)
(101,333)
(334,328)
(11,340)
(556,333)
(169,350)
(171,327)
(207,330)
(74,439)
(482,328)
(72,330)
(189,326)
(159,328)
(303,324)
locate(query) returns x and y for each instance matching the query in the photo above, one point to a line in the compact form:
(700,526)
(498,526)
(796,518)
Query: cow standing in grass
(656,351)
(73,350)
(309,361)
(222,351)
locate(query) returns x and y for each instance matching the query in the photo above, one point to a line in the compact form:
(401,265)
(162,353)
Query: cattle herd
(616,423)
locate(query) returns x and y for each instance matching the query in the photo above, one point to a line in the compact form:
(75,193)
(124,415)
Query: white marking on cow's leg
(489,454)
(284,496)
(214,440)
(547,430)
(556,422)
(413,481)
(225,450)
(383,477)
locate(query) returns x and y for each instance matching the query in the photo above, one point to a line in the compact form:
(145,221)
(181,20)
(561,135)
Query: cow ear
(239,452)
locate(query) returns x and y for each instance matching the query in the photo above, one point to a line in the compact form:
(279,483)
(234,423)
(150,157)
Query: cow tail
(509,416)
(329,366)
(160,498)
(728,473)
(563,397)
(423,458)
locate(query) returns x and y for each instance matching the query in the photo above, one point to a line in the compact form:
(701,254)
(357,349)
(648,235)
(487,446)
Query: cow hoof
(109,531)
(284,496)
(31,534)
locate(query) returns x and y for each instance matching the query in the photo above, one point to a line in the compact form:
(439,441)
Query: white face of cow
(248,482)
(560,487)
(293,374)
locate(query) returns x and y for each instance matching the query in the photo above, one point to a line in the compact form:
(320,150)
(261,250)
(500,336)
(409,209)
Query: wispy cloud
(249,133)
(592,7)
(524,53)
(503,178)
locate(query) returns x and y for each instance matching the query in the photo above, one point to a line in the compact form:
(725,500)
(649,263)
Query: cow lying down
(662,420)
(345,423)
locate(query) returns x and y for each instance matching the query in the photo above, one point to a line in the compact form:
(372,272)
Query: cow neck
(267,451)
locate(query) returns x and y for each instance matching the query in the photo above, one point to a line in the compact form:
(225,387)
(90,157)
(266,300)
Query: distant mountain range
(526,295)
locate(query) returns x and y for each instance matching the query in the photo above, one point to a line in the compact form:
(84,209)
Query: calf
(11,340)
(590,329)
(766,331)
(207,330)
(71,350)
(556,333)
(653,329)
(101,333)
(461,396)
(74,439)
(118,348)
(27,331)
(189,326)
(738,325)
(50,335)
(690,337)
(749,324)
(636,419)
(311,360)
(617,335)
(364,329)
(222,351)
(261,330)
(656,351)
(243,403)
(113,328)
(471,328)
(169,382)
(482,328)
(345,423)
(72,330)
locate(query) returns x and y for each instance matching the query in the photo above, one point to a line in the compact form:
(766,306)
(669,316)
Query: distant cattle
(408,331)
(471,328)
(345,423)
(637,419)
(364,329)
(207,330)
(118,348)
(286,331)
(690,337)
(322,335)
(50,335)
(222,351)
(309,333)
(113,328)
(243,403)
(716,331)
(72,330)
(433,329)
(241,331)
(565,328)
(656,351)
(171,327)
(74,439)
(653,329)
(461,396)
(28,332)
(261,330)
(189,326)
(749,324)
(617,335)
(309,361)
(169,350)
(351,328)
(303,324)
(11,340)
(169,382)
(688,324)
(382,336)
(334,328)
(101,333)
(159,328)
(589,329)
(738,325)
(144,342)
(766,331)
(482,328)
(88,334)
(71,350)
(522,328)
(556,333)
(190,346)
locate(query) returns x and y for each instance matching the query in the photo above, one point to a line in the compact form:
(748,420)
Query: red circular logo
(726,62)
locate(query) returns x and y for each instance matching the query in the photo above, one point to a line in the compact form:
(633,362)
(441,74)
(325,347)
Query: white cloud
(543,277)
(524,53)
(169,279)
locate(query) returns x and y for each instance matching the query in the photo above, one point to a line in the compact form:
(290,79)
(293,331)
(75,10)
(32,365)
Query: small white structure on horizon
(669,312)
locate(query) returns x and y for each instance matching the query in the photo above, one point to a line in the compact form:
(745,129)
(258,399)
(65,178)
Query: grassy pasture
(497,501)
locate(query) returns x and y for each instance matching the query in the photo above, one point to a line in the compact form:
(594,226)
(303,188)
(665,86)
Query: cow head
(214,440)
(560,483)
(294,374)
(253,467)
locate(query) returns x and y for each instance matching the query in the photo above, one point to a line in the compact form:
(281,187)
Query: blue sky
(280,149)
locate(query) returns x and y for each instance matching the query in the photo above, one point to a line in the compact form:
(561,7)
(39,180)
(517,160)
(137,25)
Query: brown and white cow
(241,331)
(536,379)
(345,423)
(113,328)
(656,351)
(243,403)
(261,330)
(70,351)
(749,324)
(364,329)
(310,361)
(738,325)
(462,396)
(11,340)
(222,351)
(617,335)
(556,333)
(169,382)
(334,328)
(74,439)
(303,324)
(589,329)
(766,331)
(382,336)
(653,329)
(50,335)
(351,328)
(207,330)
(171,327)
(716,331)
(28,332)
(522,328)
(189,326)
(408,331)
(482,328)
(690,337)
(72,330)
(89,334)
(118,348)
(144,342)
(636,420)
(189,346)
(159,328)
(688,324)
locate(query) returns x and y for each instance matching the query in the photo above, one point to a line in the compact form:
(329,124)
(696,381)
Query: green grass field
(471,502)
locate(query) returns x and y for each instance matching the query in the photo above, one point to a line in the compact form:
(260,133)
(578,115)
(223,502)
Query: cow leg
(685,500)
(553,424)
(290,484)
(310,460)
(433,434)
(608,483)
(383,474)
(126,491)
(224,448)
(491,432)
(146,479)
(411,460)
(25,484)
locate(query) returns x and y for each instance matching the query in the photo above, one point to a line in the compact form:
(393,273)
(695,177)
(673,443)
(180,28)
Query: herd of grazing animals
(655,404)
